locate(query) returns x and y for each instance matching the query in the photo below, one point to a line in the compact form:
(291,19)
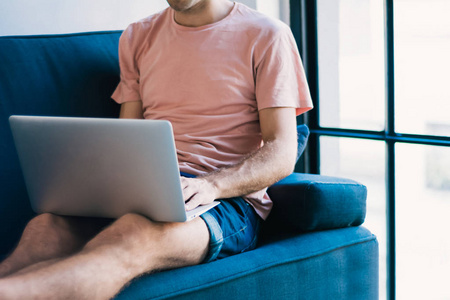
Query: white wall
(25,17)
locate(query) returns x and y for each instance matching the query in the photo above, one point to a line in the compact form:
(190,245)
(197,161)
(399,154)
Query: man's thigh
(154,245)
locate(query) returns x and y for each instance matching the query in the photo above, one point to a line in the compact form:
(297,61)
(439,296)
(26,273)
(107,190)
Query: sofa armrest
(306,202)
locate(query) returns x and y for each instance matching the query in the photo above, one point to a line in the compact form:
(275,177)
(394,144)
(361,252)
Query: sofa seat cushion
(334,264)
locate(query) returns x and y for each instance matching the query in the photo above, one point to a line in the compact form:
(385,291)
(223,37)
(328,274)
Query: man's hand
(197,191)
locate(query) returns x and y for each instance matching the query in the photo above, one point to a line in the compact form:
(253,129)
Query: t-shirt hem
(121,101)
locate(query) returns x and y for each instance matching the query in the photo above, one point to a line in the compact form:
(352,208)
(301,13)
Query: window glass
(278,9)
(422,64)
(422,221)
(363,161)
(351,63)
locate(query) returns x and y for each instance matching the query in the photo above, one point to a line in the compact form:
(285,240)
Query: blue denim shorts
(233,226)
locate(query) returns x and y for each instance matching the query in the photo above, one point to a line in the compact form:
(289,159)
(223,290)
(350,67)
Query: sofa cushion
(53,75)
(307,202)
(302,139)
(335,264)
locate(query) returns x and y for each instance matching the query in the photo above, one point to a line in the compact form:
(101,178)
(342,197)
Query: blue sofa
(311,247)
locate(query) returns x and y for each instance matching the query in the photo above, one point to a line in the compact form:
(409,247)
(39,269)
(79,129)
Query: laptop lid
(100,167)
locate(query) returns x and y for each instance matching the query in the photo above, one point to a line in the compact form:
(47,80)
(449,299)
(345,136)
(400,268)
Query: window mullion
(390,150)
(304,19)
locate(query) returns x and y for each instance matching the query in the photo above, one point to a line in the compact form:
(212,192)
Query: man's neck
(204,13)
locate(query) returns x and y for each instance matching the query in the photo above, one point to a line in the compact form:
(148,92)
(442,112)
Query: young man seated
(231,82)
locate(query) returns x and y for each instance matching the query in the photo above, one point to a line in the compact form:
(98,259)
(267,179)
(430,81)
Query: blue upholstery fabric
(335,264)
(302,139)
(57,75)
(306,202)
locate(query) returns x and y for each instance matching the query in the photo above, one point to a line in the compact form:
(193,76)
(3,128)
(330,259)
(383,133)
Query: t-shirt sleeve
(128,88)
(280,76)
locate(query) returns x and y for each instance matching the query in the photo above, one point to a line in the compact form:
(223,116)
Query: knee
(48,230)
(44,224)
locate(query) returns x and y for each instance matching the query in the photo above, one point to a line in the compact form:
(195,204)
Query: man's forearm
(271,163)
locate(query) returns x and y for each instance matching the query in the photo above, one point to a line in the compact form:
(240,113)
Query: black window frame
(303,18)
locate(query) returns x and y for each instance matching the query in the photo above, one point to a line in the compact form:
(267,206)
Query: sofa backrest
(52,75)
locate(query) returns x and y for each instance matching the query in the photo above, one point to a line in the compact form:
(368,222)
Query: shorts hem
(216,237)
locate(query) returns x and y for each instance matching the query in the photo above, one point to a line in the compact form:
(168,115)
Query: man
(231,82)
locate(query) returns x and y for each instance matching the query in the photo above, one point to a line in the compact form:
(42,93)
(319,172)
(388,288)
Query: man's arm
(272,162)
(131,110)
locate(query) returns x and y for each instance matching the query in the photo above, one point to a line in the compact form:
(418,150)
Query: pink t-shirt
(210,82)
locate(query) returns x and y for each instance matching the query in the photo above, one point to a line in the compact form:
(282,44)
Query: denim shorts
(233,226)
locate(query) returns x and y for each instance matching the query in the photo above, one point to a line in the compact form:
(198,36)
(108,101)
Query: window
(378,72)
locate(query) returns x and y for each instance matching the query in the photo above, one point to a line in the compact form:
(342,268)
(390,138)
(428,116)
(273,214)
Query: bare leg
(48,236)
(36,266)
(131,246)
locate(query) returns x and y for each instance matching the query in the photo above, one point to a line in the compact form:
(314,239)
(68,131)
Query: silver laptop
(101,167)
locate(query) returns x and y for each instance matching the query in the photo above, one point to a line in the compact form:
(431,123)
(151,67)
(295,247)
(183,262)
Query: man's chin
(185,5)
(178,5)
